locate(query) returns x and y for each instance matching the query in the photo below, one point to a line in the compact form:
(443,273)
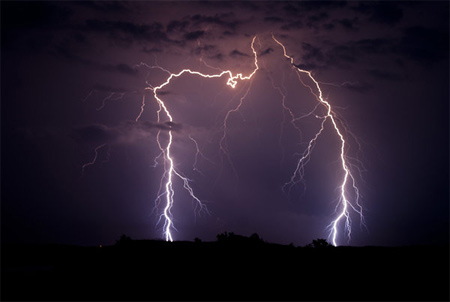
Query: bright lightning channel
(169,165)
(166,190)
(344,203)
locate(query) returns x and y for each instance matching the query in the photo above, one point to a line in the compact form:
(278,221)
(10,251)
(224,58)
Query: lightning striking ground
(169,165)
(344,203)
(166,192)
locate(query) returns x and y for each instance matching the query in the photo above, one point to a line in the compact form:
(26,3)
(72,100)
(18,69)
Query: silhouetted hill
(232,268)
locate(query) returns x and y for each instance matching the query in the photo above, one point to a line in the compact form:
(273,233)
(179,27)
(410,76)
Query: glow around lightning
(166,190)
(349,196)
(345,203)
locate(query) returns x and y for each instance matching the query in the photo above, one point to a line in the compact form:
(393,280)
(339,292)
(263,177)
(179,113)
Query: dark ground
(243,269)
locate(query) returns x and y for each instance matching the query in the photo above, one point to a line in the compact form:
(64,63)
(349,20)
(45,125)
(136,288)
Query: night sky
(71,80)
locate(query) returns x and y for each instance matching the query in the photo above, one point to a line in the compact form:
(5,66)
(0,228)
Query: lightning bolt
(197,153)
(167,191)
(344,203)
(94,160)
(113,96)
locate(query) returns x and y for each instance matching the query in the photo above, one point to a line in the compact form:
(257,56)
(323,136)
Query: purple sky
(71,81)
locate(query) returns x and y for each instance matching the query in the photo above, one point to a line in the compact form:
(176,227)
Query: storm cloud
(126,132)
(72,81)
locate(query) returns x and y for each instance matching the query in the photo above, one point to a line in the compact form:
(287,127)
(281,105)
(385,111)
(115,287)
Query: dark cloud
(328,26)
(151,50)
(419,43)
(231,5)
(314,21)
(384,12)
(164,92)
(64,50)
(105,88)
(265,52)
(375,46)
(363,7)
(237,53)
(217,19)
(295,8)
(361,87)
(125,132)
(291,8)
(167,126)
(346,53)
(312,53)
(318,5)
(208,49)
(177,25)
(104,6)
(194,35)
(384,75)
(119,30)
(293,25)
(95,133)
(319,17)
(248,5)
(351,52)
(58,60)
(122,68)
(273,19)
(349,24)
(306,66)
(217,57)
(424,44)
(229,33)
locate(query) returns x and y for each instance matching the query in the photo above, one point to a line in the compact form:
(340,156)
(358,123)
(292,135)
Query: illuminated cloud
(384,70)
(126,132)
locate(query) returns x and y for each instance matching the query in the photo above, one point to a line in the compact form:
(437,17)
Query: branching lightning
(347,200)
(169,165)
(197,153)
(344,202)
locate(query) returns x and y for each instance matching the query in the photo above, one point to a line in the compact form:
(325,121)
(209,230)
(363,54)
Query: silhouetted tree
(254,238)
(233,238)
(197,240)
(224,236)
(124,239)
(319,243)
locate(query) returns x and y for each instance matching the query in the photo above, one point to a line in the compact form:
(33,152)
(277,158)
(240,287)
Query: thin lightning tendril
(197,153)
(344,203)
(166,191)
(94,160)
(169,165)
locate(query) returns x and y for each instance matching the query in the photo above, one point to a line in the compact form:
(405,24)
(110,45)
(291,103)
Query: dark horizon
(230,234)
(74,76)
(232,268)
